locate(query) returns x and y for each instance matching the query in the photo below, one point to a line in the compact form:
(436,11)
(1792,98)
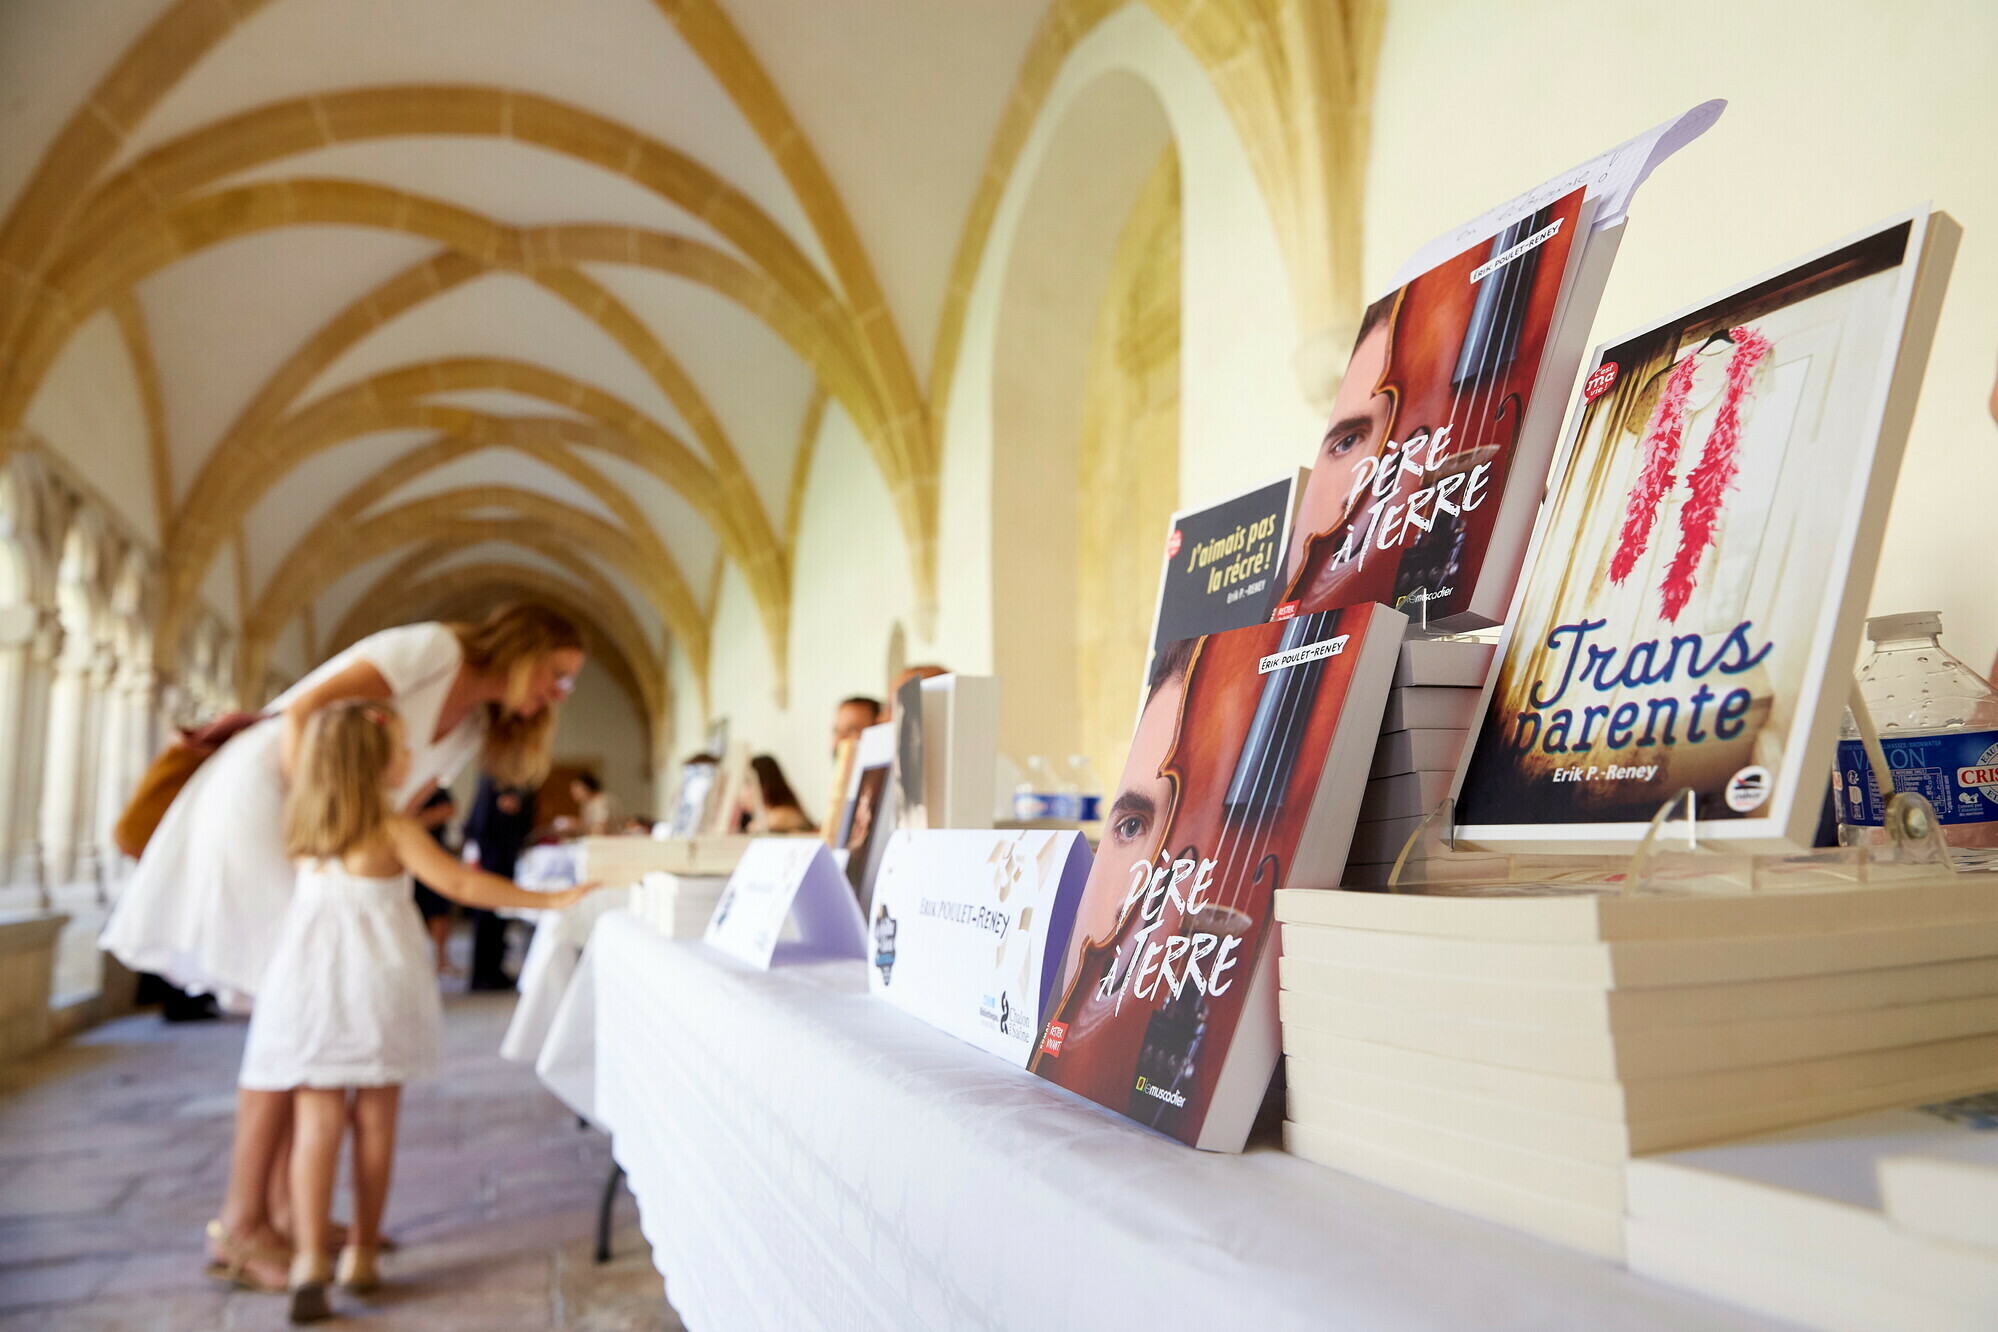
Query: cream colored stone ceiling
(635,334)
(400,279)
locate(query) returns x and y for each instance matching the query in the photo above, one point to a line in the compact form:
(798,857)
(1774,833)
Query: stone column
(38,668)
(17,636)
(93,750)
(66,772)
(126,750)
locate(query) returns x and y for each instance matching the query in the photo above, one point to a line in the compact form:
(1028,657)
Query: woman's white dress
(349,999)
(205,904)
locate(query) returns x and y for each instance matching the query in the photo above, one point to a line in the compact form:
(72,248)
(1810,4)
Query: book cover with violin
(1694,603)
(1244,776)
(1424,487)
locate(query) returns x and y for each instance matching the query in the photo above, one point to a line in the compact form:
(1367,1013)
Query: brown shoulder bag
(167,774)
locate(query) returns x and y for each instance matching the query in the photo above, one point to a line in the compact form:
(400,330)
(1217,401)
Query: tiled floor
(112,1155)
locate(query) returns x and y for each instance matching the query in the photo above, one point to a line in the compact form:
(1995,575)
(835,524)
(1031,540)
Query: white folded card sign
(965,925)
(787,878)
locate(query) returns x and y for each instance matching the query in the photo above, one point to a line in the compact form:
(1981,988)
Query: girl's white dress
(349,999)
(204,906)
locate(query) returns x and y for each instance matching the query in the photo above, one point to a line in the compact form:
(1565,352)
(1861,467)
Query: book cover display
(967,926)
(1428,444)
(690,807)
(1424,487)
(1703,564)
(1245,774)
(959,736)
(869,813)
(1221,562)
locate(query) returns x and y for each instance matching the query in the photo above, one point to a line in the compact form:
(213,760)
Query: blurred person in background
(781,810)
(926,672)
(852,716)
(598,812)
(496,831)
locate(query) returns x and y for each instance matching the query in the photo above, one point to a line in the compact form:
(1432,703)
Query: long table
(807,1157)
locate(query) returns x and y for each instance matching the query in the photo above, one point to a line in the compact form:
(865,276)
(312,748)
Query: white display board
(969,926)
(960,749)
(780,879)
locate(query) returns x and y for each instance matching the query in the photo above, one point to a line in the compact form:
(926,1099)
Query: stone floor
(113,1149)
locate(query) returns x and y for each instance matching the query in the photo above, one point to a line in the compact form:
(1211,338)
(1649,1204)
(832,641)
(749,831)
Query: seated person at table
(907,674)
(852,716)
(781,811)
(597,810)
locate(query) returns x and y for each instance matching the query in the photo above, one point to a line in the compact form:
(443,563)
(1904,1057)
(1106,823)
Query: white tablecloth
(558,941)
(567,1062)
(807,1157)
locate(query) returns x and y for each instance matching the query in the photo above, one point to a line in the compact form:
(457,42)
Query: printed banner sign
(969,927)
(783,879)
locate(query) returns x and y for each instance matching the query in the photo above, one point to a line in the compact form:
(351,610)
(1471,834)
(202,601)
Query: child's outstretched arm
(462,883)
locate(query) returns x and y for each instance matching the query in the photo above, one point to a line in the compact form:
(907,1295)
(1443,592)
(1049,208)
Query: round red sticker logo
(1600,381)
(1173,542)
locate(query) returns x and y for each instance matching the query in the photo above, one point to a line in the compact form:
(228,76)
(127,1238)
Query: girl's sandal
(310,1275)
(357,1270)
(234,1264)
(339,1231)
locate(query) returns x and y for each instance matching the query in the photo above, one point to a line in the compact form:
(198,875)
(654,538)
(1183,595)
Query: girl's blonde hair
(511,642)
(339,796)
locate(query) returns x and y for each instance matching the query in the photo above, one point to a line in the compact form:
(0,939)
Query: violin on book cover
(1240,800)
(1464,344)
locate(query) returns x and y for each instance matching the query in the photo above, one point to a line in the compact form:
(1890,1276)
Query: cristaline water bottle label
(1956,770)
(1030,805)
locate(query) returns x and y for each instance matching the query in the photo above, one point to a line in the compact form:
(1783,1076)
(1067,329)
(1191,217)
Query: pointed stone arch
(339,543)
(160,180)
(393,400)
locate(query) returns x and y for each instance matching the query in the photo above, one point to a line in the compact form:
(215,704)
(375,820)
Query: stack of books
(620,862)
(1434,703)
(1874,1222)
(677,905)
(1507,1050)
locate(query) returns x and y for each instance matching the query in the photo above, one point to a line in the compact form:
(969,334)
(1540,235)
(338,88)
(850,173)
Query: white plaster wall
(852,583)
(89,410)
(1242,416)
(1840,113)
(1243,419)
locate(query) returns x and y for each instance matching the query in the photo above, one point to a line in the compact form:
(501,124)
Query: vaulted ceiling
(442,299)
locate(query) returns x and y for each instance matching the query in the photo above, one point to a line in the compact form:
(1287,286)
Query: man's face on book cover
(1131,829)
(1357,432)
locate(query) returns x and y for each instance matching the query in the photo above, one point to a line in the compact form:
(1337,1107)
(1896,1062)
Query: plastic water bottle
(1088,791)
(1938,723)
(1035,797)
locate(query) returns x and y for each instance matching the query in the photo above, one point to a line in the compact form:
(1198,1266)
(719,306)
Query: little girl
(350,1003)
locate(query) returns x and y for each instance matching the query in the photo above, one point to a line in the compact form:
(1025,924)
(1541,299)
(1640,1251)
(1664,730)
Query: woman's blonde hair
(510,643)
(339,796)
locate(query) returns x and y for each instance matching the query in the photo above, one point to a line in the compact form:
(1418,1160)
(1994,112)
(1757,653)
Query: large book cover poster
(1246,767)
(1425,447)
(1692,610)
